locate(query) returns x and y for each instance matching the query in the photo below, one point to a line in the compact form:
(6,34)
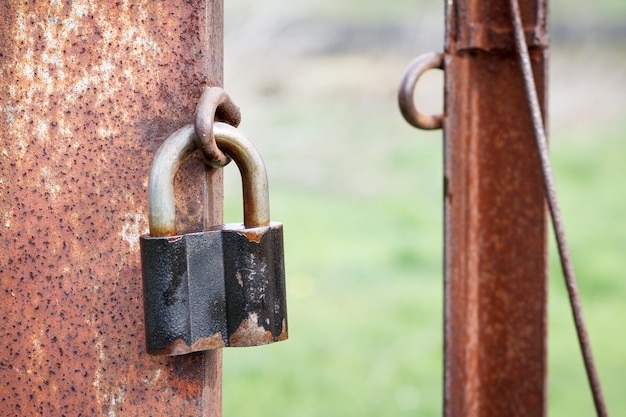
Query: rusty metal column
(88,91)
(495,220)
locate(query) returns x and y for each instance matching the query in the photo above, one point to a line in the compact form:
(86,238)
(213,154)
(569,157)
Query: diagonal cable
(555,212)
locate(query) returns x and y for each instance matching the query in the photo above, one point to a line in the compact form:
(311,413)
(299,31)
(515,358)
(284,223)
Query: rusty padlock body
(222,287)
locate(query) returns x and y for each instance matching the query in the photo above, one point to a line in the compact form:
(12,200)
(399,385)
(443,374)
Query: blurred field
(360,193)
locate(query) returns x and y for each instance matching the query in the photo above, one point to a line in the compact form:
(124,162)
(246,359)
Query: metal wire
(557,222)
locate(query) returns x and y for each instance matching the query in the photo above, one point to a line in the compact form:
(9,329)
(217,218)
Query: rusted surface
(88,92)
(472,25)
(180,347)
(495,221)
(250,333)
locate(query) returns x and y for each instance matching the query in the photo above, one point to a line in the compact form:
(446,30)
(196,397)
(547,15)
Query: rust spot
(283,334)
(179,347)
(250,333)
(214,342)
(255,234)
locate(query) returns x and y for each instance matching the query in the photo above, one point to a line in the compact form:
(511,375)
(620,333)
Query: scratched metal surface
(88,91)
(496,256)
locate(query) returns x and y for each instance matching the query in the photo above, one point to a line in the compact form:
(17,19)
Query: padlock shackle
(255,190)
(169,157)
(174,150)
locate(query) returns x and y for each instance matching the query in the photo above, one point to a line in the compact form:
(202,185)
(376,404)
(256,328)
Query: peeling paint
(116,399)
(180,347)
(134,226)
(153,379)
(48,181)
(7,220)
(47,67)
(42,130)
(250,333)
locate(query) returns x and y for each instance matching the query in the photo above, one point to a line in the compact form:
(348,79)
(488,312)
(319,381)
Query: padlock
(217,288)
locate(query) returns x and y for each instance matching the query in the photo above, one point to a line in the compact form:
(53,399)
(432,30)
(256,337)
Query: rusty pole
(88,91)
(495,220)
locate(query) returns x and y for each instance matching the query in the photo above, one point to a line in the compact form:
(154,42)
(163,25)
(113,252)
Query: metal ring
(214,105)
(414,71)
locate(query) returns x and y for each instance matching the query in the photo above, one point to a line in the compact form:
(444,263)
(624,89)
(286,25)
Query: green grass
(596,9)
(590,173)
(360,194)
(363,239)
(365,281)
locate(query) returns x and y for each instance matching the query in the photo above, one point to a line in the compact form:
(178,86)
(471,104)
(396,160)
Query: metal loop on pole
(214,105)
(412,74)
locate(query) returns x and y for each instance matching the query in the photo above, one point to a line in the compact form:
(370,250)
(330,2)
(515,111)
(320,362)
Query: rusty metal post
(495,220)
(88,91)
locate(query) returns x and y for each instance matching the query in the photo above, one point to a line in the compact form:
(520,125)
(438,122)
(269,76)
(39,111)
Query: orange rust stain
(180,347)
(214,342)
(284,335)
(250,333)
(255,234)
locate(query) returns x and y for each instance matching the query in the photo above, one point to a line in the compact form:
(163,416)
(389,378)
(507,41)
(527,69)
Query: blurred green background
(360,194)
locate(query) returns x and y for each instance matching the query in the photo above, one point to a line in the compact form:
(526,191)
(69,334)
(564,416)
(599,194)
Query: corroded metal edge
(472,26)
